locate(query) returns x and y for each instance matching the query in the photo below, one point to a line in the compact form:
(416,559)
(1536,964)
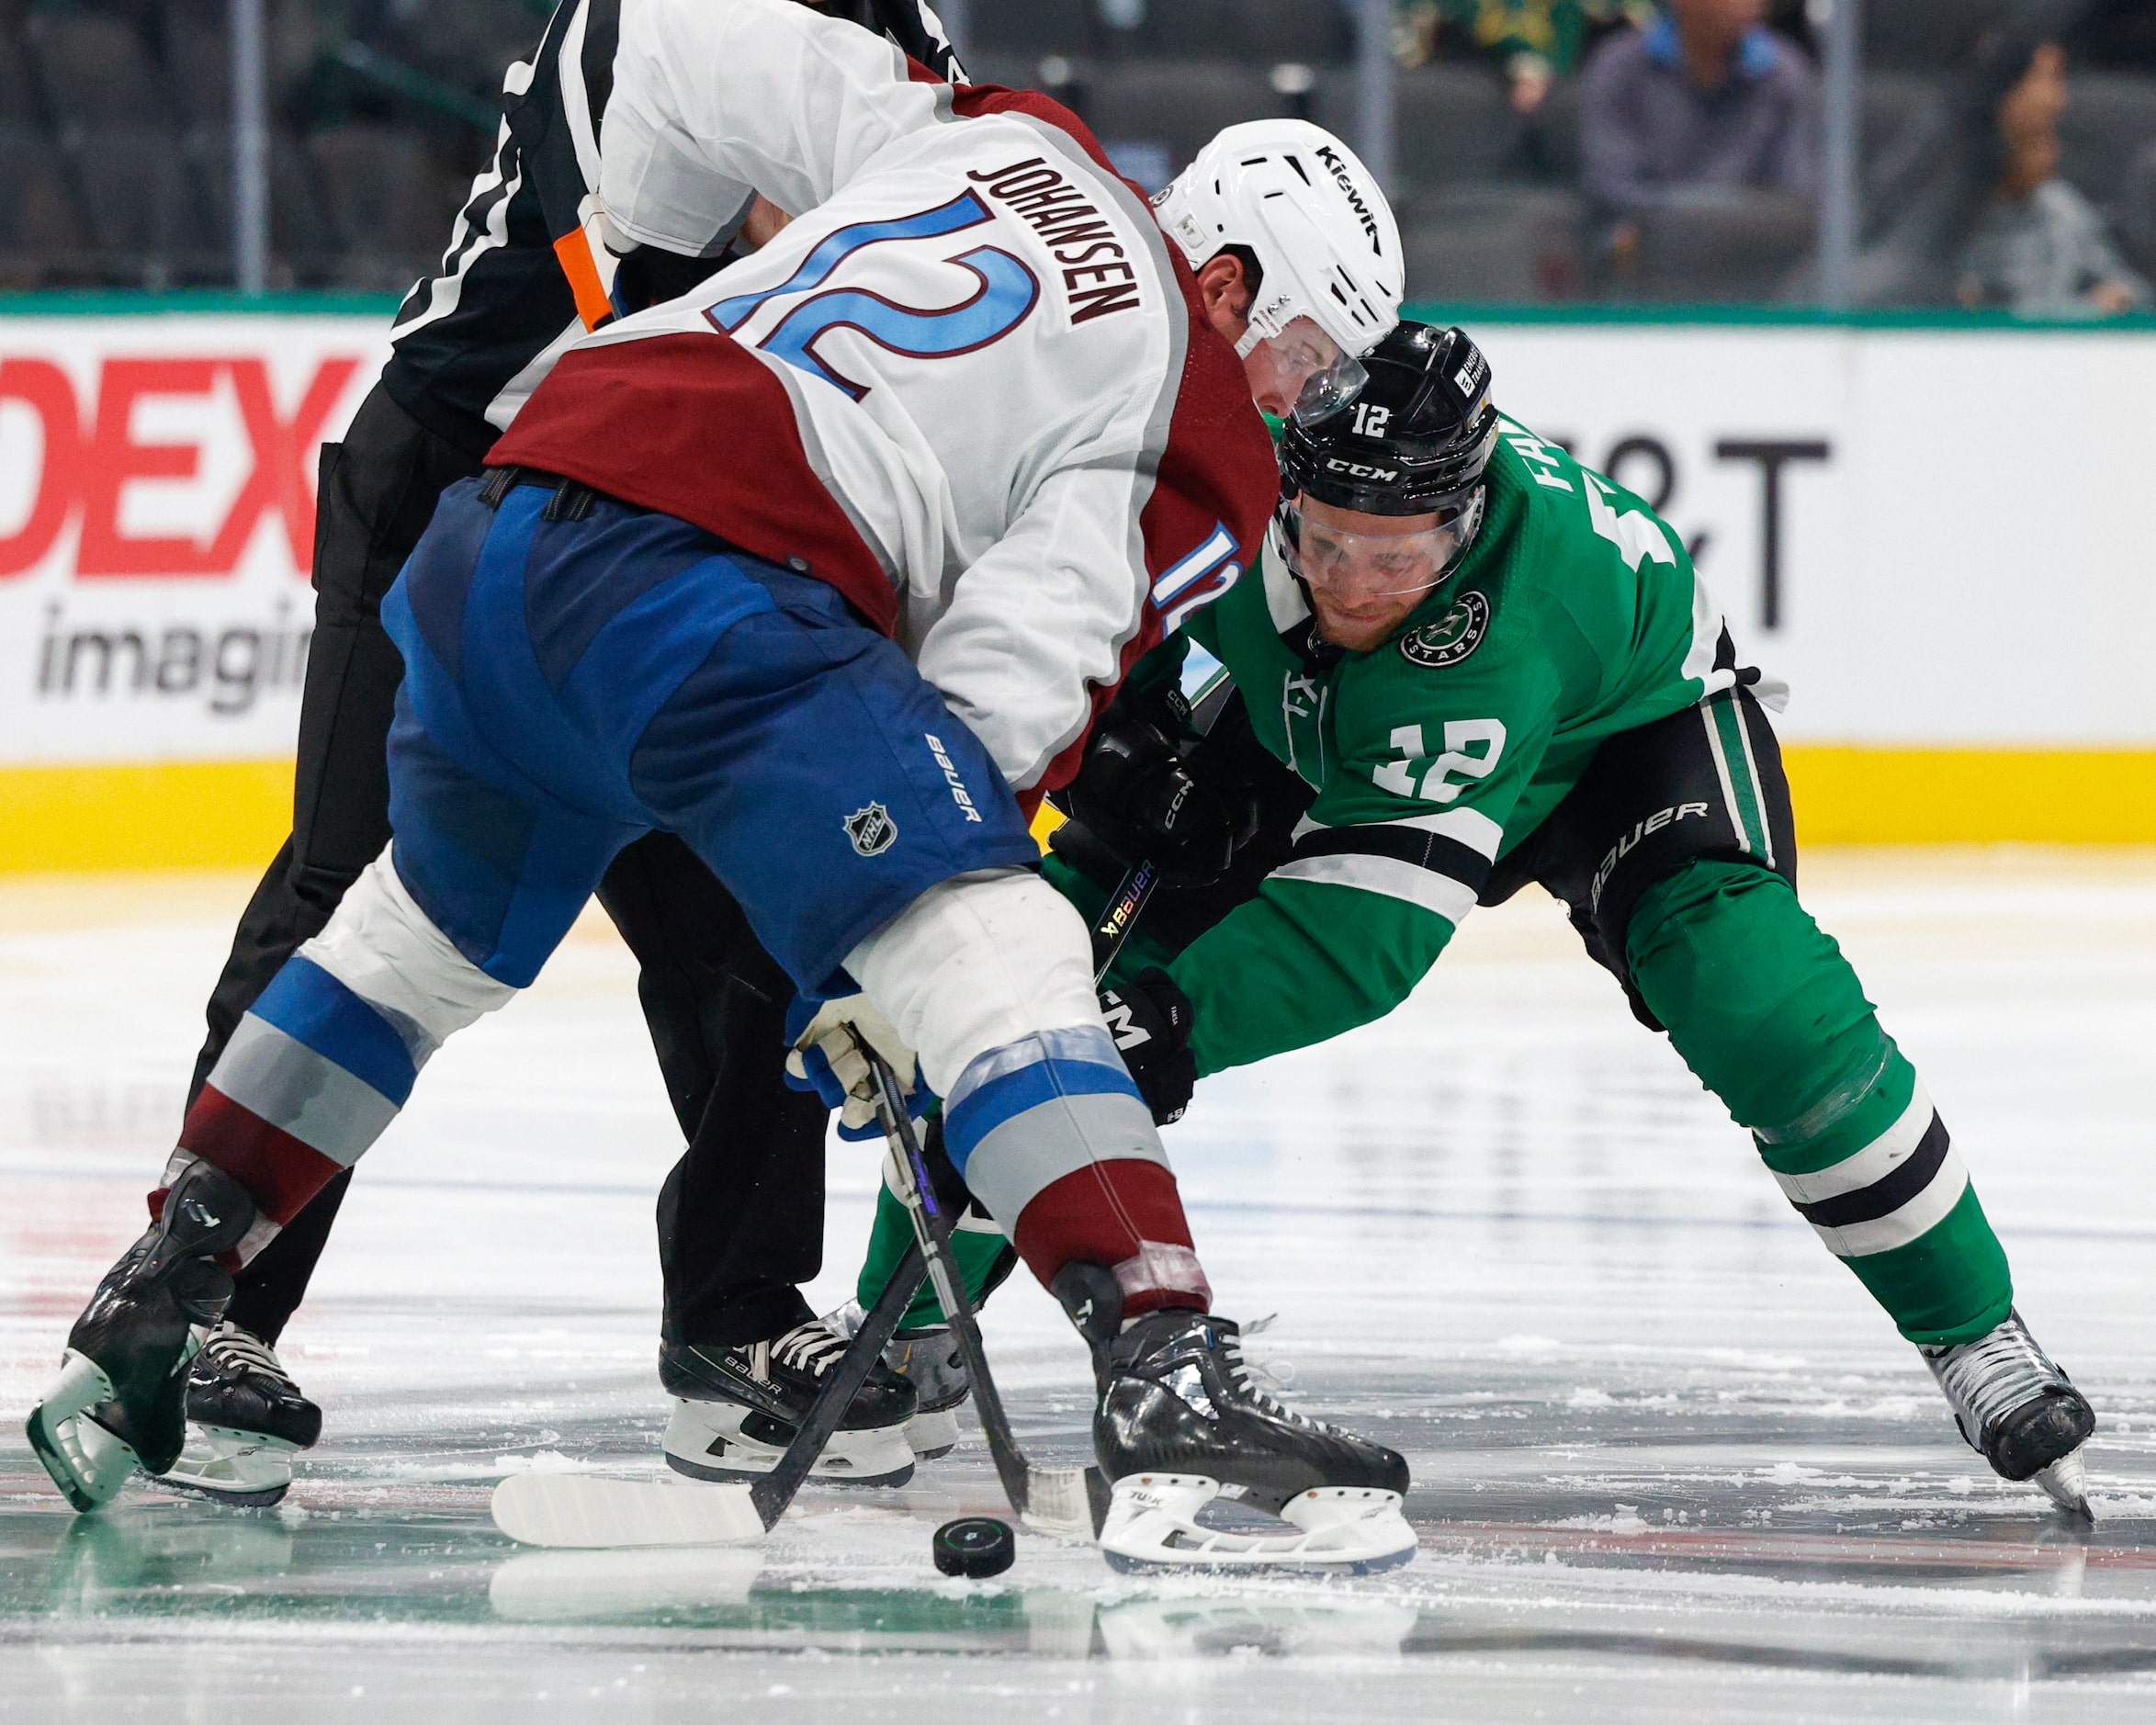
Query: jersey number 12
(1461,737)
(1007,292)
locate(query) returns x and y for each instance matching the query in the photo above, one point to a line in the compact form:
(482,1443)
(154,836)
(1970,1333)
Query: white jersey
(969,386)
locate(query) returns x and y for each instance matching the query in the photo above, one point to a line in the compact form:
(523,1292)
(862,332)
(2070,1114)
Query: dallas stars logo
(1452,637)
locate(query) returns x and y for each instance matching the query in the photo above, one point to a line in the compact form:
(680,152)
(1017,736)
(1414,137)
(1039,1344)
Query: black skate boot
(1180,1428)
(736,1409)
(119,1402)
(2018,1410)
(929,1358)
(246,1419)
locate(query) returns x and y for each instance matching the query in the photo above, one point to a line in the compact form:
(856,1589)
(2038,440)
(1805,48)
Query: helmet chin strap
(1248,341)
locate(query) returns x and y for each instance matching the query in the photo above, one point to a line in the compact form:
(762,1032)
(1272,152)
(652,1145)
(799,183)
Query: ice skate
(929,1358)
(737,1408)
(2018,1410)
(118,1403)
(246,1419)
(1208,1471)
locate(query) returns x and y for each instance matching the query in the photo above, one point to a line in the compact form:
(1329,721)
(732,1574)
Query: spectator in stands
(1532,42)
(2040,246)
(1705,95)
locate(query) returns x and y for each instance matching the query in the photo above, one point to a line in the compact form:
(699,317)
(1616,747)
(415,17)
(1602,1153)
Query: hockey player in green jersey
(1486,665)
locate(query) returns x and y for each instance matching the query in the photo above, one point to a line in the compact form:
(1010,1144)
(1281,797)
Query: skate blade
(933,1435)
(244,1469)
(704,1441)
(571,1510)
(1352,1530)
(2066,1484)
(744,1472)
(86,1461)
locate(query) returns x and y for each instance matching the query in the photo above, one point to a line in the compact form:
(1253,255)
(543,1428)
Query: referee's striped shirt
(471,341)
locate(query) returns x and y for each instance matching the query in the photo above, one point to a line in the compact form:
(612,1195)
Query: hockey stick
(1070,1503)
(1202,709)
(1122,915)
(570,1510)
(776,1490)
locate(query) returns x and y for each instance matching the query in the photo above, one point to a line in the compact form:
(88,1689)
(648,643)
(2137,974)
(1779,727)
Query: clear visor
(1303,373)
(1388,560)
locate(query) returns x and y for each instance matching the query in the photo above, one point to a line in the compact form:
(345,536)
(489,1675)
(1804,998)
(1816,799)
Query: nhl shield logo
(1452,637)
(872,829)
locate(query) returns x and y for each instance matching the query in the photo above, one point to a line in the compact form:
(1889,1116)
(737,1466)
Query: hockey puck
(975,1546)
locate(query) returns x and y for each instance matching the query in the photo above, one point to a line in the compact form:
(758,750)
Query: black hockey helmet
(1414,440)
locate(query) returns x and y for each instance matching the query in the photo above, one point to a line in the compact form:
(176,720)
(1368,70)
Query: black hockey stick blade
(776,1490)
(1069,1501)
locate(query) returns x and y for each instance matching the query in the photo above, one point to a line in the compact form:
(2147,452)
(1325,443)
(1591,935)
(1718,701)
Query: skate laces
(1989,1378)
(1242,1379)
(812,1348)
(228,1344)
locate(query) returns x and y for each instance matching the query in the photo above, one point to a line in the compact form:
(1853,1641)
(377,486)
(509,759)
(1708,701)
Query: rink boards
(1935,532)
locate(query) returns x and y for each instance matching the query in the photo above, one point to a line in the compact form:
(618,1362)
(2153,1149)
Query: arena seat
(1177,104)
(201,56)
(304,239)
(386,197)
(95,70)
(1715,244)
(1492,242)
(19,102)
(1919,35)
(2109,117)
(1033,27)
(140,213)
(1261,32)
(1455,125)
(41,234)
(2133,211)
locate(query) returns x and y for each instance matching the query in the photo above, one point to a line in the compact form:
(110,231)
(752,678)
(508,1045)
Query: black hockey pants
(740,1218)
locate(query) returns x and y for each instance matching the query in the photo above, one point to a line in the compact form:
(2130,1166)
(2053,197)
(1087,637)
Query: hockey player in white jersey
(516,284)
(824,566)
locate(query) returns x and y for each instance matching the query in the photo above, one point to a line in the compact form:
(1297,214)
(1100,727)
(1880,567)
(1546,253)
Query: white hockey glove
(826,1057)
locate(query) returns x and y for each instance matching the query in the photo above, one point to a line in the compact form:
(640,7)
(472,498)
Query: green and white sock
(975,1245)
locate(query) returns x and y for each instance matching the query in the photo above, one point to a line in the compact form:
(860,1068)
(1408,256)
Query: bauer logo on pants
(872,829)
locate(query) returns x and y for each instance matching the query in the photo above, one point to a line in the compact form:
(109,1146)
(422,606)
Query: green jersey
(1575,615)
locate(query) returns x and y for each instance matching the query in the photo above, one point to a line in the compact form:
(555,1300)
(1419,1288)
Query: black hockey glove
(1150,1021)
(1135,798)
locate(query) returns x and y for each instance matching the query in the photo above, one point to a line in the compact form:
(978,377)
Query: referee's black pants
(740,1217)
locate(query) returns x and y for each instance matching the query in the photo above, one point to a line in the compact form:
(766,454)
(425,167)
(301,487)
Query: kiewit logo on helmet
(1327,156)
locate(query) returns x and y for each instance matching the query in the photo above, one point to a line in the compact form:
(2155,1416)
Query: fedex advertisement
(1845,490)
(156,522)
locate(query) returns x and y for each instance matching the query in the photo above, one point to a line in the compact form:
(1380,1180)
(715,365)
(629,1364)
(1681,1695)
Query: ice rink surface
(1669,1461)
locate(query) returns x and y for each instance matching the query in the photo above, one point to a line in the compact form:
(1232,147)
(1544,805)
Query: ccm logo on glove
(1150,1021)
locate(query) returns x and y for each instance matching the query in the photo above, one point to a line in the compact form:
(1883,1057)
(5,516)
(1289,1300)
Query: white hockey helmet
(1302,201)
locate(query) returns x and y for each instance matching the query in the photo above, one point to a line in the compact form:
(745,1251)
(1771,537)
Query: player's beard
(1364,625)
